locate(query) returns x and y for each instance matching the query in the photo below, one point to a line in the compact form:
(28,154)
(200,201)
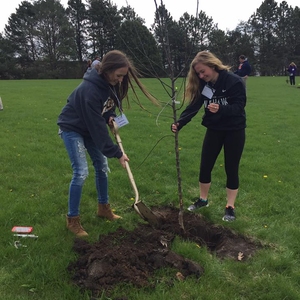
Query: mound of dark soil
(133,256)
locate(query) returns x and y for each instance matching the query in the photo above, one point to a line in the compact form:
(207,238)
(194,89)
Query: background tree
(52,42)
(55,33)
(103,18)
(203,26)
(128,14)
(135,39)
(7,60)
(194,36)
(21,33)
(77,14)
(283,48)
(162,24)
(294,33)
(40,32)
(264,23)
(220,46)
(186,24)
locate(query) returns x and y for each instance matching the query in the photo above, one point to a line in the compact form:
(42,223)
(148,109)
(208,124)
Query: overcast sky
(226,13)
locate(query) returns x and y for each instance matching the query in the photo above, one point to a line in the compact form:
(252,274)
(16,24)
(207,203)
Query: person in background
(244,68)
(292,70)
(88,65)
(83,127)
(95,62)
(222,94)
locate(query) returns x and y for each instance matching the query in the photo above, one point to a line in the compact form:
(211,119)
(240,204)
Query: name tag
(121,120)
(208,92)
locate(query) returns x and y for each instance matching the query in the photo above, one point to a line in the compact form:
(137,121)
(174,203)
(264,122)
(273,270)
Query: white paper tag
(121,120)
(208,92)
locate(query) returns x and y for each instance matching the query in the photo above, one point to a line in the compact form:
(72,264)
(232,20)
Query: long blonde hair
(193,81)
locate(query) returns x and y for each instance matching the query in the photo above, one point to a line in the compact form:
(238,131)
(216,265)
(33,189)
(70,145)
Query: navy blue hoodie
(88,110)
(230,94)
(244,69)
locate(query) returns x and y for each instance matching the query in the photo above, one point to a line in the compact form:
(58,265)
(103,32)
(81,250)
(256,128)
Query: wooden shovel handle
(119,141)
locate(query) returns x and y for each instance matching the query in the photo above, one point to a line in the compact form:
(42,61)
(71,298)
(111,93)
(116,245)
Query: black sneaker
(198,204)
(229,214)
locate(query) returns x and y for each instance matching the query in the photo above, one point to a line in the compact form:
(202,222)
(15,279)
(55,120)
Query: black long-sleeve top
(230,94)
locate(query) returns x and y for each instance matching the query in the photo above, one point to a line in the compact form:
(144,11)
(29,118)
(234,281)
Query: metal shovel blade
(147,214)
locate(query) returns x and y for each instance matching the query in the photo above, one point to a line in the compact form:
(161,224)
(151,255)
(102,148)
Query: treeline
(45,40)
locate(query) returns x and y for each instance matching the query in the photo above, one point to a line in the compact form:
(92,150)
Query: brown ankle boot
(73,224)
(105,211)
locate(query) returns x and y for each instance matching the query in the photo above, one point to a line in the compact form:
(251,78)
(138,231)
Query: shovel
(146,213)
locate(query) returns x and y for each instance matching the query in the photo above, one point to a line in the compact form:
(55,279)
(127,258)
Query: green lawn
(35,175)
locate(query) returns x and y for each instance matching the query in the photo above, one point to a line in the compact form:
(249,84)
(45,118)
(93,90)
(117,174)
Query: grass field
(35,175)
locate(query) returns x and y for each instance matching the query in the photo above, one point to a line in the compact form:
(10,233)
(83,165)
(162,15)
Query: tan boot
(105,211)
(73,224)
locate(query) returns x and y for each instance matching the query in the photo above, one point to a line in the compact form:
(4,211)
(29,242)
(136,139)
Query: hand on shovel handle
(123,160)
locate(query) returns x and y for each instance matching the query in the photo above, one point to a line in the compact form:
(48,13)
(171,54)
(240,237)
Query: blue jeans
(76,146)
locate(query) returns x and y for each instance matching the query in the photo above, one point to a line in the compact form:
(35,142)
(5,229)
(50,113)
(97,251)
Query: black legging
(233,143)
(292,80)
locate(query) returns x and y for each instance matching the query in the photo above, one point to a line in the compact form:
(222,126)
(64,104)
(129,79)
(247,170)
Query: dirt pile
(133,256)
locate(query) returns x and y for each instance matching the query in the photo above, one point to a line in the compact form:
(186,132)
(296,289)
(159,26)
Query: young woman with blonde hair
(222,94)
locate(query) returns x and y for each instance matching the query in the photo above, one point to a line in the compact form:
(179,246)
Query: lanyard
(117,98)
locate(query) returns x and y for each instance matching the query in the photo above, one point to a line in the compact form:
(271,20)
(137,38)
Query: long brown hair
(116,59)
